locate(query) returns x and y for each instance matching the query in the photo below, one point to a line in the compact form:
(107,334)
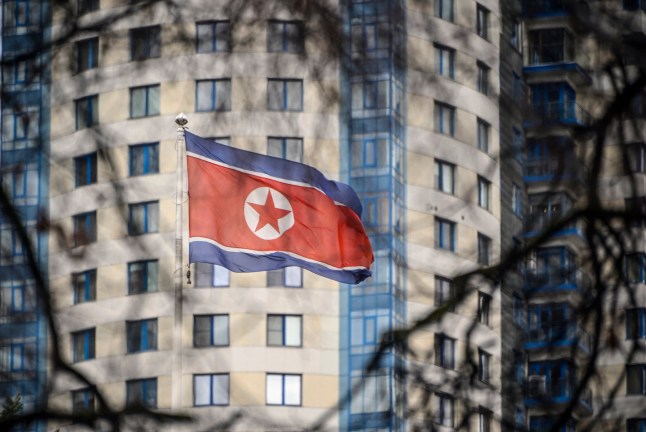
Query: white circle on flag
(268,213)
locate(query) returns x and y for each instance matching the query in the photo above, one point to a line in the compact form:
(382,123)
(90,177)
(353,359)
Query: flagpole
(180,143)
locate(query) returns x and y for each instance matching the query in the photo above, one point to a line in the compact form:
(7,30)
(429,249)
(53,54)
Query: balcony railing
(563,335)
(556,391)
(556,280)
(559,112)
(561,167)
(543,7)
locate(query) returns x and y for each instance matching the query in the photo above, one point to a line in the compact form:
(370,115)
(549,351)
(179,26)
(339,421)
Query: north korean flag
(250,212)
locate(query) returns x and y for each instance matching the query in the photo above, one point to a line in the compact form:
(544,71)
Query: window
(444,119)
(283,389)
(373,393)
(484,250)
(17,297)
(636,425)
(520,420)
(636,379)
(211,389)
(517,88)
(141,335)
(84,285)
(285,95)
(285,36)
(288,277)
(553,45)
(445,409)
(517,200)
(636,268)
(213,36)
(443,290)
(549,323)
(482,22)
(518,145)
(445,61)
(444,234)
(144,159)
(210,330)
(87,112)
(484,193)
(545,424)
(211,275)
(87,54)
(444,351)
(213,95)
(484,366)
(24,71)
(519,310)
(636,155)
(484,303)
(547,209)
(445,176)
(83,345)
(142,277)
(519,368)
(484,420)
(84,228)
(85,169)
(20,124)
(144,218)
(483,78)
(483,135)
(142,392)
(224,140)
(636,323)
(367,328)
(144,101)
(285,148)
(145,43)
(444,9)
(517,36)
(85,6)
(556,102)
(284,330)
(83,402)
(370,94)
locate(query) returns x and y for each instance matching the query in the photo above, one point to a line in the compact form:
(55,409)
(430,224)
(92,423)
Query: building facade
(449,118)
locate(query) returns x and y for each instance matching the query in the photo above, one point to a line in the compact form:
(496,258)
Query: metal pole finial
(181,120)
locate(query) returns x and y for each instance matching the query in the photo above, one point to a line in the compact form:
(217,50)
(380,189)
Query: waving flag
(251,212)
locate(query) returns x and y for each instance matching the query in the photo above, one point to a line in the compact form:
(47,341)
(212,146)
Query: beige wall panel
(62,178)
(321,154)
(62,120)
(249,94)
(114,392)
(61,291)
(313,281)
(114,106)
(421,170)
(418,54)
(320,391)
(111,282)
(63,61)
(421,228)
(165,333)
(420,111)
(178,39)
(110,223)
(111,339)
(421,286)
(167,216)
(248,329)
(164,392)
(321,97)
(247,389)
(177,97)
(328,336)
(114,48)
(248,37)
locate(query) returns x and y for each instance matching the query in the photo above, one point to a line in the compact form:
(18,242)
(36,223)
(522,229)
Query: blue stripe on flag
(241,262)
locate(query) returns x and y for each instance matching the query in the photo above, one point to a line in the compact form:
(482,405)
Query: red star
(268,213)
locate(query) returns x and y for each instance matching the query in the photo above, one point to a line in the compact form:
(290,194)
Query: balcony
(542,392)
(557,336)
(567,113)
(553,54)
